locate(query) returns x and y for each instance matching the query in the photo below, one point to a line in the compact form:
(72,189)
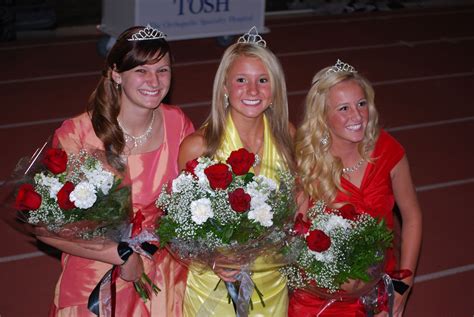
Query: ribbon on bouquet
(102,300)
(240,292)
(380,298)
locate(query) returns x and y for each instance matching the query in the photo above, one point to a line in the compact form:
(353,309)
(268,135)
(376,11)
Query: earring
(226,101)
(117,85)
(270,106)
(325,139)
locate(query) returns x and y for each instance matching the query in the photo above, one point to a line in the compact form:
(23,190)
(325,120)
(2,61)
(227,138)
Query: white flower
(202,178)
(334,222)
(100,178)
(201,210)
(257,199)
(266,182)
(325,256)
(261,187)
(52,183)
(182,182)
(84,195)
(262,214)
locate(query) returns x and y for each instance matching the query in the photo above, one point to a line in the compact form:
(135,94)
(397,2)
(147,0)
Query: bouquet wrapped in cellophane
(220,215)
(77,197)
(342,253)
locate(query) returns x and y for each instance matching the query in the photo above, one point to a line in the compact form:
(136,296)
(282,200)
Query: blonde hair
(277,113)
(319,170)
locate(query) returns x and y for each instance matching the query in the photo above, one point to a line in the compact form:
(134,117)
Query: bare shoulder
(192,147)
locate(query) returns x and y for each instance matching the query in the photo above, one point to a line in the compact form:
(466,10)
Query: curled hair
(277,114)
(319,170)
(104,102)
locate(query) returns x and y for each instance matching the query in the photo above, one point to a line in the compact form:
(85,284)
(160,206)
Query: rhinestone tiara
(252,37)
(340,66)
(148,33)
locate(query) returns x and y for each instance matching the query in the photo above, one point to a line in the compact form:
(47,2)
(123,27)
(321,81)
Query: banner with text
(184,19)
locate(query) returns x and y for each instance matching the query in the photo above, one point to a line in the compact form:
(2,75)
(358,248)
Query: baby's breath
(356,245)
(225,227)
(103,203)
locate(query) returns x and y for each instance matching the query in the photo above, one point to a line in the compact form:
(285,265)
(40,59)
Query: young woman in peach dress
(127,118)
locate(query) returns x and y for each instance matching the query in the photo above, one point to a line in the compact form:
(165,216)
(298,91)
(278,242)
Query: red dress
(375,197)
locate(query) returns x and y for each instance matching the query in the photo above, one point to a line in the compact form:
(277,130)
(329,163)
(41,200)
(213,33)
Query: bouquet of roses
(338,245)
(78,197)
(219,213)
(73,196)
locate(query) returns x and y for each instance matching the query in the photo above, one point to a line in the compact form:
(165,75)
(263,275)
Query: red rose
(348,212)
(63,196)
(318,241)
(239,200)
(241,161)
(301,227)
(218,175)
(55,160)
(27,198)
(191,165)
(137,223)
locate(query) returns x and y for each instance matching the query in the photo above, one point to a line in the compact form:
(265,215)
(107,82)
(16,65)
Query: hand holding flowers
(221,215)
(73,197)
(338,246)
(79,198)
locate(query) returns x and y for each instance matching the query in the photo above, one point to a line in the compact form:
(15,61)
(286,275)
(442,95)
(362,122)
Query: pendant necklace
(141,139)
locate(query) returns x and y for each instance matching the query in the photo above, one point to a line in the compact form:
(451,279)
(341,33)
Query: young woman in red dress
(343,157)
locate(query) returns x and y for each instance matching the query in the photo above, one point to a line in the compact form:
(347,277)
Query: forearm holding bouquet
(342,255)
(222,217)
(78,197)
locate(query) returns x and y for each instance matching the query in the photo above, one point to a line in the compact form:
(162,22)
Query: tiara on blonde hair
(340,66)
(252,37)
(148,33)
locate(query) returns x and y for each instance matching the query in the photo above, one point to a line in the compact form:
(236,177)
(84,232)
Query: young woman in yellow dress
(249,110)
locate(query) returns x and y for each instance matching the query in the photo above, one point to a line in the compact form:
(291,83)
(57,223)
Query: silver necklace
(141,139)
(354,168)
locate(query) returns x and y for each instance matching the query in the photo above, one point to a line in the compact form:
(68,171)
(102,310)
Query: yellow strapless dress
(201,297)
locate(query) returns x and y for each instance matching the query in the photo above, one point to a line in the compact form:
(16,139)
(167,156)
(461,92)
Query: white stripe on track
(400,43)
(31,123)
(23,256)
(62,76)
(289,54)
(422,78)
(49,44)
(430,124)
(425,188)
(444,273)
(349,19)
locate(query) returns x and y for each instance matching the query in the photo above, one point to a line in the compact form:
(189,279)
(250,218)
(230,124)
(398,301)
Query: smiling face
(146,85)
(347,113)
(248,87)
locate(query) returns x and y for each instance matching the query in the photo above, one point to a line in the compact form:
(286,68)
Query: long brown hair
(105,101)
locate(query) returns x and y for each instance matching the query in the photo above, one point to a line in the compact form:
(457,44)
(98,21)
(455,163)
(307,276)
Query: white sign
(184,19)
